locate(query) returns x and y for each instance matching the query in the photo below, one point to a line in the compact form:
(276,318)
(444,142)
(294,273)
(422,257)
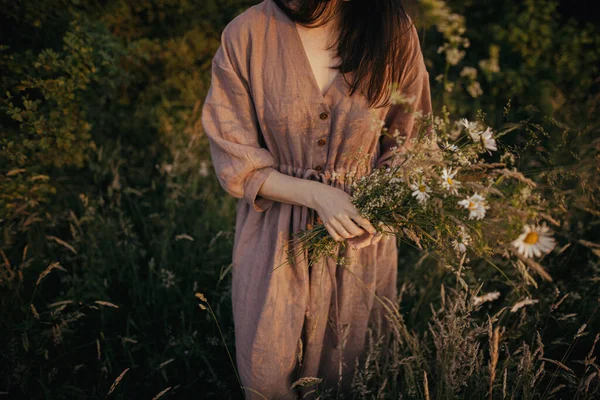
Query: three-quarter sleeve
(230,124)
(414,84)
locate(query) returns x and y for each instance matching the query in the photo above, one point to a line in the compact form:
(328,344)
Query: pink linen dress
(265,112)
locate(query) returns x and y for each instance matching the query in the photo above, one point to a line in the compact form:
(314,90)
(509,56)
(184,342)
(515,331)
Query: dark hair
(370,40)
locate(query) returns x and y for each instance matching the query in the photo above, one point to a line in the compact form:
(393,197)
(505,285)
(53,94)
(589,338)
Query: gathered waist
(340,177)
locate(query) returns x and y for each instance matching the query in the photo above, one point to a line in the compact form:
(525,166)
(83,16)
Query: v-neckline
(306,66)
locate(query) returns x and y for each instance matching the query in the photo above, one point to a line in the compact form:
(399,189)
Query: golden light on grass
(494,340)
(34,311)
(62,243)
(116,382)
(106,303)
(158,396)
(50,268)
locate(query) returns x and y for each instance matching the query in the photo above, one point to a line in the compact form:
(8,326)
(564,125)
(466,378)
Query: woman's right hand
(339,215)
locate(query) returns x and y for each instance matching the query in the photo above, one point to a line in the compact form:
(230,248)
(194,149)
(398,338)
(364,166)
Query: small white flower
(451,147)
(469,72)
(474,89)
(420,191)
(470,126)
(204,172)
(396,180)
(534,240)
(168,278)
(508,158)
(485,138)
(448,181)
(490,65)
(460,244)
(476,205)
(453,56)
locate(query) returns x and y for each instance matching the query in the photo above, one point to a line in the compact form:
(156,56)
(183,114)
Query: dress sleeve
(230,123)
(413,84)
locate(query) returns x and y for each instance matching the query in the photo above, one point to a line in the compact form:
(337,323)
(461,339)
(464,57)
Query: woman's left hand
(364,240)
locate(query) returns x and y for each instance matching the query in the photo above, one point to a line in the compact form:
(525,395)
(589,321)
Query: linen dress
(264,112)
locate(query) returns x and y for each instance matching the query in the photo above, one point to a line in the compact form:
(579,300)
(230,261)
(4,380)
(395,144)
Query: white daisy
(485,138)
(476,205)
(470,126)
(534,240)
(448,181)
(460,244)
(420,191)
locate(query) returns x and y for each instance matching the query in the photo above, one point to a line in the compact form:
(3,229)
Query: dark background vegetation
(105,182)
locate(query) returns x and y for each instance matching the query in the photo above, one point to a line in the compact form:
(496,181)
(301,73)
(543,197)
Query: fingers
(363,222)
(333,233)
(365,240)
(377,238)
(361,241)
(340,229)
(350,226)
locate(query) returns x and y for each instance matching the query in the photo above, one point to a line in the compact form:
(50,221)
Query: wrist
(308,193)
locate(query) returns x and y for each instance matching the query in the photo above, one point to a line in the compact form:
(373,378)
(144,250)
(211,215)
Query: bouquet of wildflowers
(442,196)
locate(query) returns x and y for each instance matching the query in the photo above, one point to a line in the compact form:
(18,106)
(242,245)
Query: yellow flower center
(422,188)
(531,238)
(450,181)
(471,205)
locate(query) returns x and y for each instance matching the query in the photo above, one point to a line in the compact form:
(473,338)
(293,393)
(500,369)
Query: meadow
(112,219)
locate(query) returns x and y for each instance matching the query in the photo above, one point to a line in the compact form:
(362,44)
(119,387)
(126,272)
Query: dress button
(319,168)
(324,115)
(322,142)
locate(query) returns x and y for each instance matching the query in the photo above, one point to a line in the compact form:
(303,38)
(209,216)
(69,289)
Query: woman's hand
(341,218)
(333,205)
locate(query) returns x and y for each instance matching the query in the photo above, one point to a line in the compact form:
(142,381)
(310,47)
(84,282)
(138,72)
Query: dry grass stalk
(55,265)
(494,339)
(558,303)
(426,385)
(60,303)
(516,175)
(158,396)
(62,242)
(34,311)
(11,273)
(106,303)
(558,364)
(504,382)
(165,363)
(525,302)
(484,166)
(116,382)
(306,382)
(535,266)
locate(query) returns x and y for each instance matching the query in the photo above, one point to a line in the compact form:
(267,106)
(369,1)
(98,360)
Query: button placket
(324,116)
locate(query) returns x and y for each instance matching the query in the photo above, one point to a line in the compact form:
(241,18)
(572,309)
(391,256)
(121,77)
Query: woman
(287,135)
